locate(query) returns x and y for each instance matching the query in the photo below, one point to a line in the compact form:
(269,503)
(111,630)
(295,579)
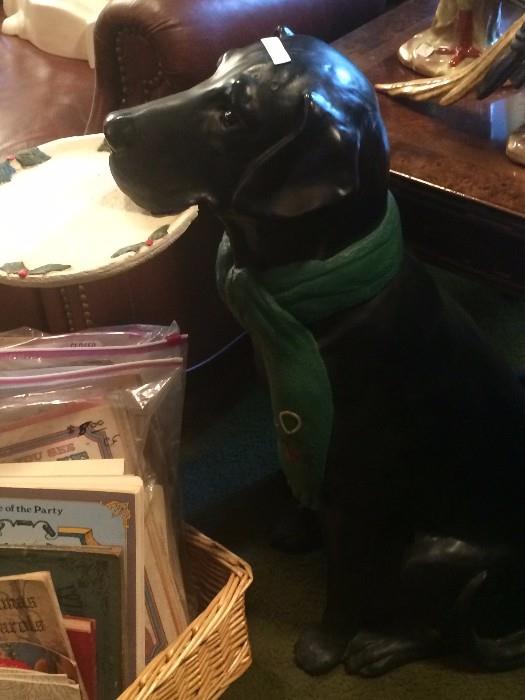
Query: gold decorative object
(120,510)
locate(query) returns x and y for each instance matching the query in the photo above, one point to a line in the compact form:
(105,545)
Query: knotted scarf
(276,306)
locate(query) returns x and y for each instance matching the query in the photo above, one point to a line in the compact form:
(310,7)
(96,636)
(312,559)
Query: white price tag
(276,50)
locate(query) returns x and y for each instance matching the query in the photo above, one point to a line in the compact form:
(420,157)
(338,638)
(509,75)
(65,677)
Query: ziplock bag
(97,394)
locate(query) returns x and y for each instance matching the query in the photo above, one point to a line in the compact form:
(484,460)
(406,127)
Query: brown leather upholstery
(149,49)
(144,49)
(42,97)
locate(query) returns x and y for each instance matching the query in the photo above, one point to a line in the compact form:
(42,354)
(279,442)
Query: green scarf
(276,306)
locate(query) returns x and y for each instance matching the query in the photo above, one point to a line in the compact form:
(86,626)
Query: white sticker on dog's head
(276,50)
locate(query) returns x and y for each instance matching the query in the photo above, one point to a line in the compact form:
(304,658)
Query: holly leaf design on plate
(13,267)
(31,156)
(6,172)
(50,267)
(128,249)
(159,233)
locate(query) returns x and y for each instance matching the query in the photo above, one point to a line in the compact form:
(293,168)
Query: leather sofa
(143,49)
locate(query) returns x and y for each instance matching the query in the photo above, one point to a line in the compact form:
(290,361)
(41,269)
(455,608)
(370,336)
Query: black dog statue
(395,418)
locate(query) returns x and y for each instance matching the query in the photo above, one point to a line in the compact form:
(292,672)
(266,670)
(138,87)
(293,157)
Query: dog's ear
(312,167)
(282,31)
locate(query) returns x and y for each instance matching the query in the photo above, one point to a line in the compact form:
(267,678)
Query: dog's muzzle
(120,131)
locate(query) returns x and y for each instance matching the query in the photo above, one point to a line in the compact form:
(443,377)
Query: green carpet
(287,592)
(233,491)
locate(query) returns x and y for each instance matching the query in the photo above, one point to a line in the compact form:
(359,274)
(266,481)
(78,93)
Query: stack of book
(85,499)
(37,658)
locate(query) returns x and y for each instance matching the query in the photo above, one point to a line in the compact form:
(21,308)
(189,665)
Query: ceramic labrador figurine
(395,419)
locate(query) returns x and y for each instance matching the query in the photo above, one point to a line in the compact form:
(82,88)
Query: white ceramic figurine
(460,31)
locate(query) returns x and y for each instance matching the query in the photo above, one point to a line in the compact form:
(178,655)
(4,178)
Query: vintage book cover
(80,430)
(31,627)
(82,633)
(78,511)
(88,583)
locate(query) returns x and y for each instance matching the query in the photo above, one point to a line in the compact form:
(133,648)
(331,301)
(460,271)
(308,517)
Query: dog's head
(257,140)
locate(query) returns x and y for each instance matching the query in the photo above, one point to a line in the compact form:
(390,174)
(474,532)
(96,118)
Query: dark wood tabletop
(462,200)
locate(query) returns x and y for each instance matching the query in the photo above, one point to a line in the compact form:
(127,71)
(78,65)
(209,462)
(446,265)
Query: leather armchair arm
(146,49)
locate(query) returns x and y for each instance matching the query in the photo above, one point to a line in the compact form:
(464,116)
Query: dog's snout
(119,130)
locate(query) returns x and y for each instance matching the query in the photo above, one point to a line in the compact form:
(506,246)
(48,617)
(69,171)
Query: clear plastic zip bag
(108,393)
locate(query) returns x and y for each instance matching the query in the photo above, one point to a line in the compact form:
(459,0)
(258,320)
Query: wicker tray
(214,650)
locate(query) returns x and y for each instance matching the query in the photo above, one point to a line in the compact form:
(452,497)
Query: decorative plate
(63,220)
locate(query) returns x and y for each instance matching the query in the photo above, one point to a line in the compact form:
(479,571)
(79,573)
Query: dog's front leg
(350,575)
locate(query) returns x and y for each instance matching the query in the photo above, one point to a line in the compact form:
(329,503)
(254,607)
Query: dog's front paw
(318,650)
(371,655)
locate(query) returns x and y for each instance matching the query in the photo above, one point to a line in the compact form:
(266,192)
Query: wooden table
(462,200)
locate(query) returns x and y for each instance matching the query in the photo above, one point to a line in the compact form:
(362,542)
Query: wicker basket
(214,650)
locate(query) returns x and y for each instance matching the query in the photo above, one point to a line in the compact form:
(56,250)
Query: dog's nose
(119,130)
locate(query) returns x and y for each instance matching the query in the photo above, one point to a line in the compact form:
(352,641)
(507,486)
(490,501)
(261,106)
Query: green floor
(233,492)
(286,592)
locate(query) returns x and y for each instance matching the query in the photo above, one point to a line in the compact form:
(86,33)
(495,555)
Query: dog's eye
(229,119)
